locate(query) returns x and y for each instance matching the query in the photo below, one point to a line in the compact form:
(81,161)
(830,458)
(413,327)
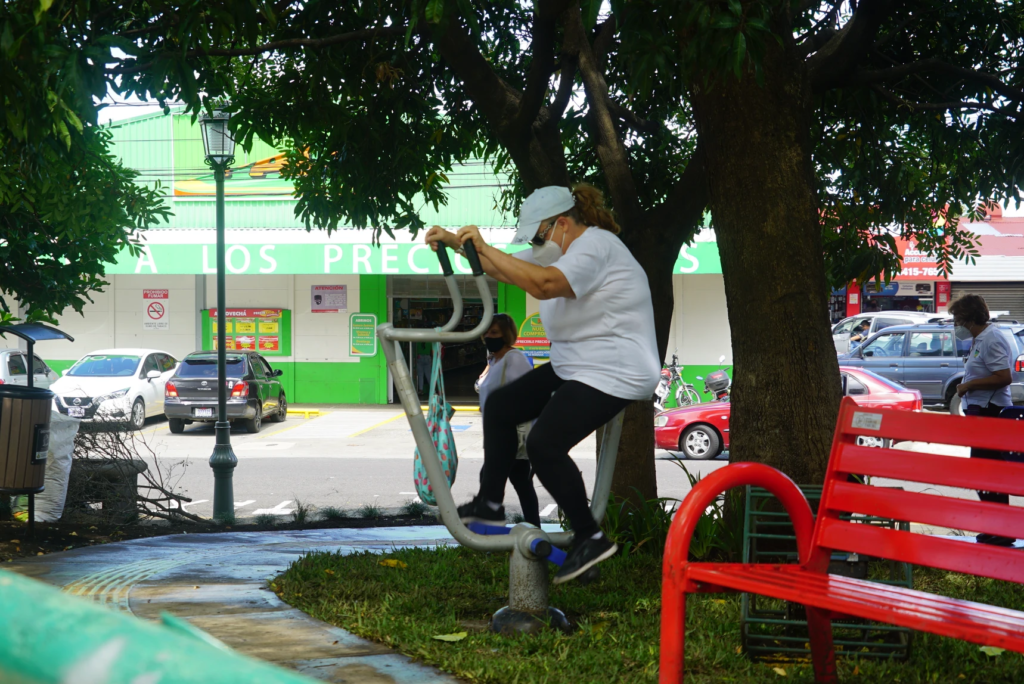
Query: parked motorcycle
(685,394)
(718,383)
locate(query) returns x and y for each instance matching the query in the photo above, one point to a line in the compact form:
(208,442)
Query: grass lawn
(408,597)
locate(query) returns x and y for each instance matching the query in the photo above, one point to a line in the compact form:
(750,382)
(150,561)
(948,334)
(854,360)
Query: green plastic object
(47,637)
(776,631)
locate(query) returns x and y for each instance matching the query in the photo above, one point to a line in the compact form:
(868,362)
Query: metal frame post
(223,459)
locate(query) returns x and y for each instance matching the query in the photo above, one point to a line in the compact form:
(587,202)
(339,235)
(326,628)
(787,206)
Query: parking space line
(380,424)
(284,429)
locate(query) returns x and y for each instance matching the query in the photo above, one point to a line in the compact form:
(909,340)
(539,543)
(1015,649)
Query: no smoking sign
(154,309)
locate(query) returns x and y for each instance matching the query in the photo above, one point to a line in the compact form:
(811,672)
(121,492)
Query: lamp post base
(223,462)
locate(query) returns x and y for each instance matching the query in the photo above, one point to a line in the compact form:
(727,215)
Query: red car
(702,431)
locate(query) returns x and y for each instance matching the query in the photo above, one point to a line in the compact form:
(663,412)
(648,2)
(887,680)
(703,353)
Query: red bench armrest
(677,547)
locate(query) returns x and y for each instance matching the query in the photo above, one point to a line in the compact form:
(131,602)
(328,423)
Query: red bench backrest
(841,496)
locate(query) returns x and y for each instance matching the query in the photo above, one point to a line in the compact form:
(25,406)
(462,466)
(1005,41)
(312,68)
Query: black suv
(929,358)
(254,391)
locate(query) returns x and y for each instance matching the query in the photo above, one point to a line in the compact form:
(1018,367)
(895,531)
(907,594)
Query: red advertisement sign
(245,343)
(943,290)
(269,343)
(917,264)
(229,343)
(247,313)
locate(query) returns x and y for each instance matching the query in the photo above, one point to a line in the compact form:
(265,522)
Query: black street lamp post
(220,154)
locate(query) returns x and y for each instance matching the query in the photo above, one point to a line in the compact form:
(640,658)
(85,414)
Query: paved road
(347,458)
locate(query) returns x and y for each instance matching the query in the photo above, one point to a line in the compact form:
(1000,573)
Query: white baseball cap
(543,203)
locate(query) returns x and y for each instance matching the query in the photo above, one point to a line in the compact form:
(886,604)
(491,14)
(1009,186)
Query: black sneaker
(994,540)
(584,556)
(477,511)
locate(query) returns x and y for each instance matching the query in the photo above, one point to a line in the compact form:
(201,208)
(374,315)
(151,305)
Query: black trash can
(24,438)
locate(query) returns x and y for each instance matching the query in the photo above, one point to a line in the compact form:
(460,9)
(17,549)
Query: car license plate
(202,412)
(76,412)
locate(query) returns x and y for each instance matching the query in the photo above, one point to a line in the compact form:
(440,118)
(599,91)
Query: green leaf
(726,22)
(991,651)
(739,49)
(434,11)
(457,636)
(590,9)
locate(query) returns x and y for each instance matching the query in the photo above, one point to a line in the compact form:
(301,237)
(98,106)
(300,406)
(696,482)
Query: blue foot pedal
(544,549)
(484,528)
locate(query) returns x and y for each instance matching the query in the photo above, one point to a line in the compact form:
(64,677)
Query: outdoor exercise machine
(531,548)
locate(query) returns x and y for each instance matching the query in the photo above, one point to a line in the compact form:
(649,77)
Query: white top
(604,337)
(513,364)
(989,353)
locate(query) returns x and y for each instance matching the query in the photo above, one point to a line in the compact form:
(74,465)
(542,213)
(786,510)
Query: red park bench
(826,596)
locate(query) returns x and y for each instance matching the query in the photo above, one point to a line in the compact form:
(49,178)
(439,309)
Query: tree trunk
(762,197)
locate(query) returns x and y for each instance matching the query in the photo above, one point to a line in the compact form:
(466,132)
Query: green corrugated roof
(168,149)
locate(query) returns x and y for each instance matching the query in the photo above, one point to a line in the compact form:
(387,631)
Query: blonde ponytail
(590,209)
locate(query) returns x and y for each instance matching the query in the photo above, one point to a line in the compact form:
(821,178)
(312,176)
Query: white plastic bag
(50,501)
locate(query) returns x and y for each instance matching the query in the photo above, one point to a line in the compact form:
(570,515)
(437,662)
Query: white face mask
(962,333)
(549,252)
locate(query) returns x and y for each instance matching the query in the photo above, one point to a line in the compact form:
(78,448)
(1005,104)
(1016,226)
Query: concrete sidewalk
(218,582)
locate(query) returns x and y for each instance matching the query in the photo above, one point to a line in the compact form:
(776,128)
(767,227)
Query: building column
(200,304)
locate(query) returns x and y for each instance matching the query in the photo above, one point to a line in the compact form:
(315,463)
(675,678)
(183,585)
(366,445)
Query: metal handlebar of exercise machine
(531,547)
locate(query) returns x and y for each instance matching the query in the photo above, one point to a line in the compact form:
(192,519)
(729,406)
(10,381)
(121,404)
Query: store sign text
(347,259)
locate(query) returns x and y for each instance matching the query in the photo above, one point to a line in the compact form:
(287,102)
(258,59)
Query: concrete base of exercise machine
(508,621)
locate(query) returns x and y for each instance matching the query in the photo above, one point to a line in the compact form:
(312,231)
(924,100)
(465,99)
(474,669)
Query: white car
(115,384)
(878,320)
(14,370)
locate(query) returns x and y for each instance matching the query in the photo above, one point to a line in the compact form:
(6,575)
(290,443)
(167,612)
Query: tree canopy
(67,206)
(815,131)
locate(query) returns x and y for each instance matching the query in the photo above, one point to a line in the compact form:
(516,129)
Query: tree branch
(935,106)
(603,41)
(542,48)
(638,124)
(292,43)
(690,193)
(610,150)
(565,86)
(835,61)
(935,64)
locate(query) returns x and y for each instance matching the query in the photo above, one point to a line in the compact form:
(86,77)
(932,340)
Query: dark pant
(521,477)
(991,411)
(566,412)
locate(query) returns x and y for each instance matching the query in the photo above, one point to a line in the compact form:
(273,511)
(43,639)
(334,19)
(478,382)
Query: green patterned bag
(439,415)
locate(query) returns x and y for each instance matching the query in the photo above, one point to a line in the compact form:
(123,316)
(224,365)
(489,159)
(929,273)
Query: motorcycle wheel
(687,397)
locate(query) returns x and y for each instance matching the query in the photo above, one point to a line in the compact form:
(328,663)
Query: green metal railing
(47,637)
(773,630)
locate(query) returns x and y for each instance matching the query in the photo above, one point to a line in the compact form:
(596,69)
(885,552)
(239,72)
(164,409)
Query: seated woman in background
(504,365)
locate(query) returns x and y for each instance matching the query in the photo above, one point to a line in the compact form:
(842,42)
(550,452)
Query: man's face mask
(962,333)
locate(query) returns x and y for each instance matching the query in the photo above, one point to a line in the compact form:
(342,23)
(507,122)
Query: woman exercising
(596,306)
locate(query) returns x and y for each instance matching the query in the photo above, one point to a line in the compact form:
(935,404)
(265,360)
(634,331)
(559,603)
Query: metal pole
(223,460)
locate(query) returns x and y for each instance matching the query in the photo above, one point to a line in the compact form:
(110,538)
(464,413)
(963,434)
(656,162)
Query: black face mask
(494,344)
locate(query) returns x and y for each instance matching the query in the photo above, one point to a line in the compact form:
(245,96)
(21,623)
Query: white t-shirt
(513,364)
(989,353)
(604,337)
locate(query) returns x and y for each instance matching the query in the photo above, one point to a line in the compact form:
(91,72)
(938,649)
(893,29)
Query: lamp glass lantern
(218,142)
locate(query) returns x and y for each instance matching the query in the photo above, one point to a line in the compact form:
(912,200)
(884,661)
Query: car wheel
(177,425)
(282,410)
(253,425)
(700,442)
(138,418)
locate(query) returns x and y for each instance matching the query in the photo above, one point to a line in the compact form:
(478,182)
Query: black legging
(566,412)
(521,477)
